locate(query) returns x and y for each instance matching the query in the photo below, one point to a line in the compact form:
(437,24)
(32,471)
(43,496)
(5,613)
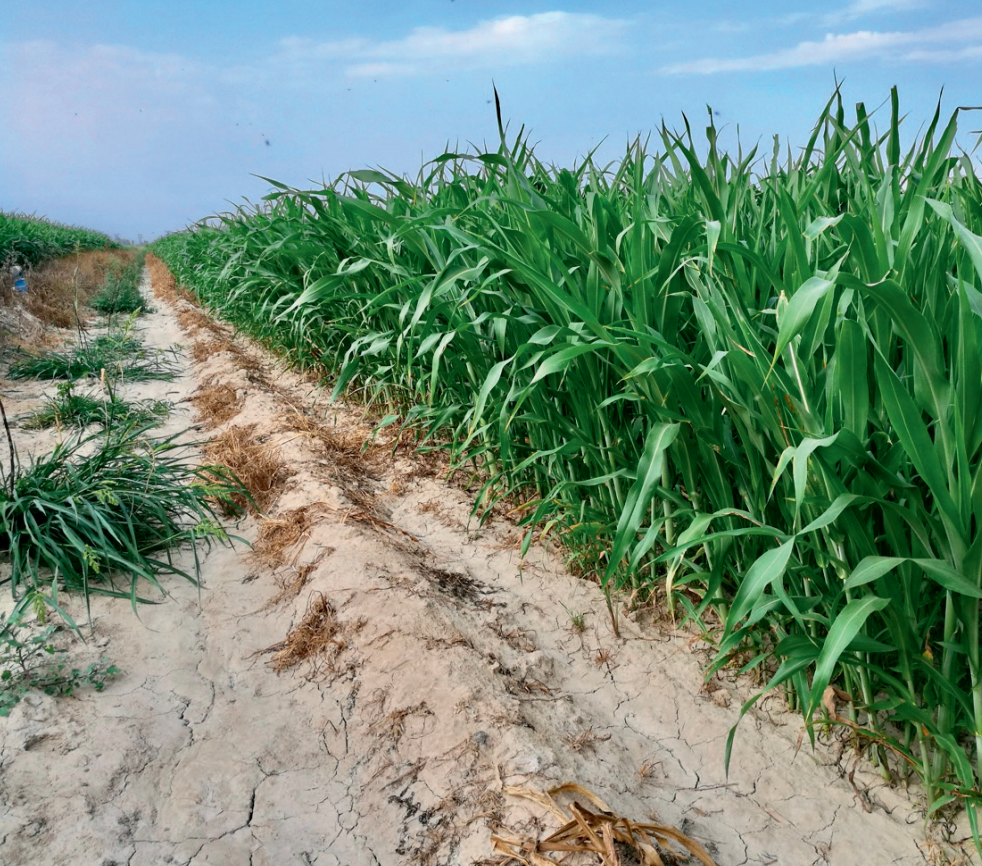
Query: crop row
(750,381)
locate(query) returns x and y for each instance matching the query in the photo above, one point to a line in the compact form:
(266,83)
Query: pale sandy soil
(453,672)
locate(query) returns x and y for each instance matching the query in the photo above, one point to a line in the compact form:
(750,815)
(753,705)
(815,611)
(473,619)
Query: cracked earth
(455,670)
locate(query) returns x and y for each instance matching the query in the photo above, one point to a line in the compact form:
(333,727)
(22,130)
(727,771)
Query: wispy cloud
(903,45)
(862,8)
(947,55)
(514,40)
(85,105)
(83,89)
(89,86)
(817,18)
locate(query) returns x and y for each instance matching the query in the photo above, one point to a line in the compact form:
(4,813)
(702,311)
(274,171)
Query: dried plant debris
(492,808)
(278,534)
(391,727)
(366,510)
(192,320)
(350,465)
(204,349)
(254,463)
(296,579)
(216,404)
(585,741)
(597,833)
(320,637)
(457,585)
(164,285)
(520,640)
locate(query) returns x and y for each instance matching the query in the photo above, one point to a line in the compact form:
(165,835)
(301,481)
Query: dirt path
(449,672)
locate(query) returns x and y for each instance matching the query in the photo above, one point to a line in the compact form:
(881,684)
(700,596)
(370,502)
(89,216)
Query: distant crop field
(748,383)
(26,240)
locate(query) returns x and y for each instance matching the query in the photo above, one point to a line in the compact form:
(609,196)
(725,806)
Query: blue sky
(137,118)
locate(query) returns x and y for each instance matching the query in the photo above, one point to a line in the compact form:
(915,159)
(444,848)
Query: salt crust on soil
(456,669)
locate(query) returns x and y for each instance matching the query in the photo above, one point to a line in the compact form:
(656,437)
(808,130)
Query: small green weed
(119,298)
(27,662)
(577,621)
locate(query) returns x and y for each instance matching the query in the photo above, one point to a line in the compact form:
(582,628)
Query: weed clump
(68,408)
(120,292)
(116,355)
(100,509)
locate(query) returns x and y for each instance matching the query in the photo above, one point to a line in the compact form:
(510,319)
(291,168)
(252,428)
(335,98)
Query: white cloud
(517,39)
(830,49)
(100,96)
(909,45)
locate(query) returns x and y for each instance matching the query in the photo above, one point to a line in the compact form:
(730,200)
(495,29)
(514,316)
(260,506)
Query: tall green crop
(753,378)
(28,240)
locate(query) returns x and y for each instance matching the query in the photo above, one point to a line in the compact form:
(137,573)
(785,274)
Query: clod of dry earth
(428,673)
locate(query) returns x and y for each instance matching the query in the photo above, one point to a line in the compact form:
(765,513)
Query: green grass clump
(750,381)
(103,513)
(68,408)
(119,299)
(28,240)
(120,292)
(117,354)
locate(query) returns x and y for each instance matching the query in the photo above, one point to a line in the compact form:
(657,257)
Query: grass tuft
(115,355)
(102,511)
(67,408)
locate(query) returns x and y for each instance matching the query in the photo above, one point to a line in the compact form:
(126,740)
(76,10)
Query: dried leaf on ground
(586,831)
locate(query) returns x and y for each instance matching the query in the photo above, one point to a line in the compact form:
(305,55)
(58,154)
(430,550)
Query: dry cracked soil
(380,679)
